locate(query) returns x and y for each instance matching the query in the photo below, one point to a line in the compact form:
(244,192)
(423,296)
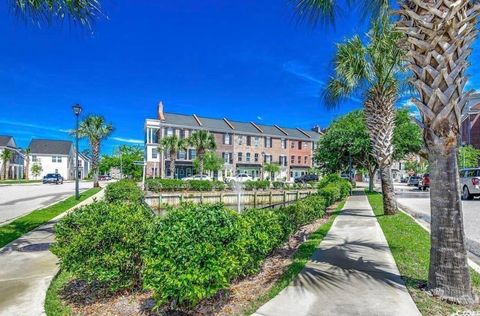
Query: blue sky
(246,60)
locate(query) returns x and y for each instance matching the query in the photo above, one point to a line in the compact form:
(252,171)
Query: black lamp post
(77,109)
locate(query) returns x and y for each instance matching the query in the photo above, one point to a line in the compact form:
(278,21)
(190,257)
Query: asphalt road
(417,203)
(18,200)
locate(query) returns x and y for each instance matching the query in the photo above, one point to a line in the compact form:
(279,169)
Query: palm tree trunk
(439,36)
(95,155)
(388,190)
(27,172)
(449,276)
(371,178)
(172,164)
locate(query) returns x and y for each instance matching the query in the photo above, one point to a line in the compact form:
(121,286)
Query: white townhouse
(14,167)
(57,156)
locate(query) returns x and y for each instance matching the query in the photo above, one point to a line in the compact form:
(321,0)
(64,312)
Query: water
(238,189)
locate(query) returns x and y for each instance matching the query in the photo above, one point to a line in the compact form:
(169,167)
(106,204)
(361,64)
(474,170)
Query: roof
(221,125)
(50,147)
(5,140)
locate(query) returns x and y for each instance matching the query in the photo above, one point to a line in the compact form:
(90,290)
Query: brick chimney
(161,117)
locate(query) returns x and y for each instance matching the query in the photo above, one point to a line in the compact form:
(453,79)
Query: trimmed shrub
(218,185)
(278,185)
(193,254)
(200,185)
(162,185)
(257,185)
(123,191)
(103,242)
(329,178)
(334,188)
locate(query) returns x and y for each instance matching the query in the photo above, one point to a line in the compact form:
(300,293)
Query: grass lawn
(410,245)
(300,259)
(54,305)
(26,223)
(19,181)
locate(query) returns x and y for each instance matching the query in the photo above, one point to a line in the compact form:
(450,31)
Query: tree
(212,162)
(173,144)
(5,156)
(202,141)
(376,66)
(272,169)
(36,170)
(95,129)
(407,135)
(439,36)
(124,159)
(27,163)
(46,10)
(468,157)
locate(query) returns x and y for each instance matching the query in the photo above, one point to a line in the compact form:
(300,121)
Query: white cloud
(34,126)
(128,140)
(301,71)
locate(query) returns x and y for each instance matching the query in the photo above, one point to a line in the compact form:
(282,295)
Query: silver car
(470,183)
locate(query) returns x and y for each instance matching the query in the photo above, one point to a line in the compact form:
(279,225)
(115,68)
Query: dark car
(306,178)
(104,178)
(424,183)
(413,181)
(53,178)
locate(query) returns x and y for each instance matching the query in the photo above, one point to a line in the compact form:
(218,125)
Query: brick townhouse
(244,146)
(471,121)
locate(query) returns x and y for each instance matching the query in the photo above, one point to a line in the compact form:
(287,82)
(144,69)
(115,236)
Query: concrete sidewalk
(28,267)
(351,273)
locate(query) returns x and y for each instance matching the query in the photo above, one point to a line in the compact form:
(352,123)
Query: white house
(57,156)
(14,167)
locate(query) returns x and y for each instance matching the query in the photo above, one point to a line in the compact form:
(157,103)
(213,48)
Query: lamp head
(77,109)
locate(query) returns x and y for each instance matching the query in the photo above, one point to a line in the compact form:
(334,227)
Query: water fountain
(238,189)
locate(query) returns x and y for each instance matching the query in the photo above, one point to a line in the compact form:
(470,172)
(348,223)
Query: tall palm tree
(202,141)
(5,156)
(27,163)
(439,36)
(95,129)
(375,66)
(173,144)
(84,11)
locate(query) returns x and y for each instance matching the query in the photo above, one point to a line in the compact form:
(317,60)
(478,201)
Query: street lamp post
(77,109)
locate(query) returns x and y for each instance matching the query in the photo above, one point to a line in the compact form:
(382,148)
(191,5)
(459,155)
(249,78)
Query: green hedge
(257,185)
(123,191)
(103,242)
(333,188)
(169,185)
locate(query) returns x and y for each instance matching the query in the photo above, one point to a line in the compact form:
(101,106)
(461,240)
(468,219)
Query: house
(244,146)
(471,122)
(57,156)
(14,168)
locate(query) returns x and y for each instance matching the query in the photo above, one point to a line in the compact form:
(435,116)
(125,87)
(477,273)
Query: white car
(470,183)
(239,178)
(198,177)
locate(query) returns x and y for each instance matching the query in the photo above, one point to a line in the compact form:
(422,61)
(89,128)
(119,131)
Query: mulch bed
(88,300)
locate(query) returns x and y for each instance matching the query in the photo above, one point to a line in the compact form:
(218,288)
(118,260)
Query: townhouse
(471,122)
(14,167)
(244,146)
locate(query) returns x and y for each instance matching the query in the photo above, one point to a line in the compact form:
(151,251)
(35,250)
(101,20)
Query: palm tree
(173,144)
(84,11)
(27,163)
(272,169)
(439,36)
(375,66)
(202,141)
(95,129)
(5,156)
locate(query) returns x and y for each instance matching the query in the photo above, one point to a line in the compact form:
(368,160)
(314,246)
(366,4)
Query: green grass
(300,259)
(410,246)
(24,224)
(54,305)
(19,181)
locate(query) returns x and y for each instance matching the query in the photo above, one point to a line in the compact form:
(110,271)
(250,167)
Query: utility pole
(77,109)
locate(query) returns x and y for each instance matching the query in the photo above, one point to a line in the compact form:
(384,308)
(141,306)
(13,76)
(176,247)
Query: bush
(278,185)
(257,185)
(200,185)
(194,253)
(123,191)
(329,178)
(103,243)
(219,186)
(162,185)
(334,188)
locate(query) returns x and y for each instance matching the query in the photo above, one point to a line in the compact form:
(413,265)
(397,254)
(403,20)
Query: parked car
(306,178)
(53,178)
(470,183)
(413,181)
(104,177)
(404,180)
(239,178)
(424,182)
(198,177)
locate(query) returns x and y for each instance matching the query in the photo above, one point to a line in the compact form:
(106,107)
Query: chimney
(317,129)
(161,117)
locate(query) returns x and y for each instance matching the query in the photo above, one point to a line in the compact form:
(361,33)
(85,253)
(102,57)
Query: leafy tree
(375,66)
(125,160)
(407,136)
(439,36)
(173,144)
(5,156)
(95,129)
(468,157)
(203,142)
(36,170)
(272,169)
(212,162)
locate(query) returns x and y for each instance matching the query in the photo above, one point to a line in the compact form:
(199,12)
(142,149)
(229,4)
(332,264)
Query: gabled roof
(6,141)
(50,147)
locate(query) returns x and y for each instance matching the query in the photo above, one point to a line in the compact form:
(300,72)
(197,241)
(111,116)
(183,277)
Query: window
(240,140)
(268,158)
(247,158)
(249,141)
(284,143)
(226,157)
(299,159)
(34,158)
(256,157)
(292,144)
(154,153)
(169,131)
(256,142)
(306,160)
(182,133)
(226,139)
(282,160)
(268,142)
(240,155)
(56,159)
(192,154)
(292,160)
(299,144)
(182,155)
